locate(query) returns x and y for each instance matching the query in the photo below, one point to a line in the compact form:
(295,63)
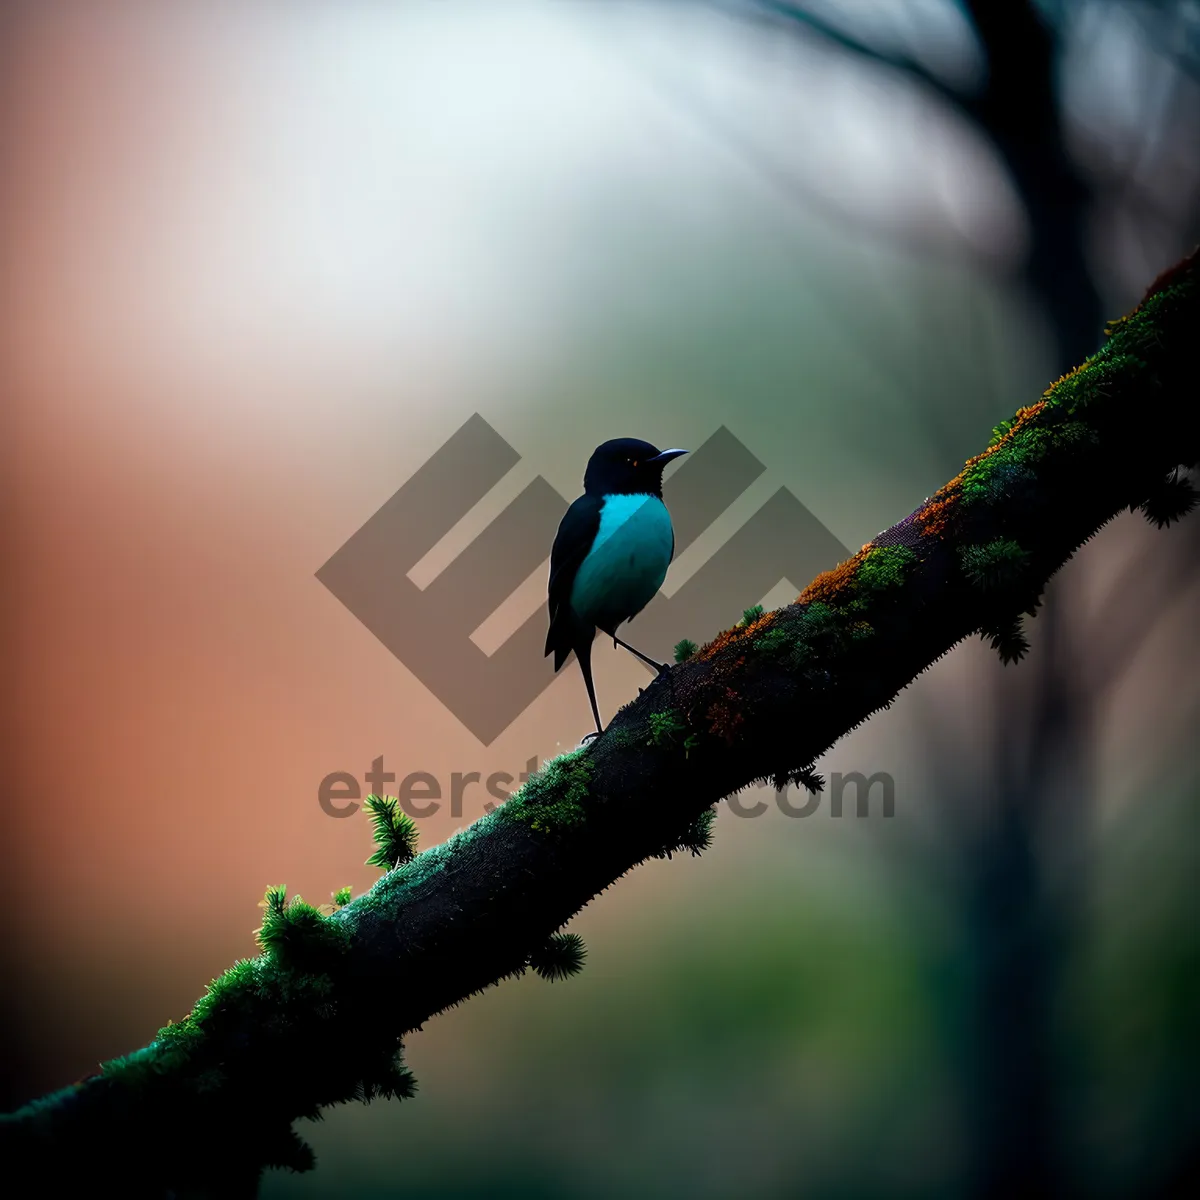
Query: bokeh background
(262,260)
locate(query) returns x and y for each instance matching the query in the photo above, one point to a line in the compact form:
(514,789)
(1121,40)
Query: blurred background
(262,260)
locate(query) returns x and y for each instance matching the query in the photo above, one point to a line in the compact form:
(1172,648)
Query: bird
(610,554)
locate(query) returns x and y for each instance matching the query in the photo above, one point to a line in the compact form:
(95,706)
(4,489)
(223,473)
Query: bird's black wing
(576,532)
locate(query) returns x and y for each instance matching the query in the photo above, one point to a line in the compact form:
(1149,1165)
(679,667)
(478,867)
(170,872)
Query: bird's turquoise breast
(628,560)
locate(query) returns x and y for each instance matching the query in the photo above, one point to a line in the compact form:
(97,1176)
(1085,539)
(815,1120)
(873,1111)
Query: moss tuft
(805,777)
(695,839)
(1008,640)
(995,564)
(561,957)
(386,1078)
(1171,501)
(684,650)
(296,933)
(395,833)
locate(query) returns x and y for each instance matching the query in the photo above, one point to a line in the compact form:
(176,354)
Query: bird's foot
(663,668)
(590,737)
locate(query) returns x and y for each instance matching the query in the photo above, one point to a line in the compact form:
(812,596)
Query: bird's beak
(665,457)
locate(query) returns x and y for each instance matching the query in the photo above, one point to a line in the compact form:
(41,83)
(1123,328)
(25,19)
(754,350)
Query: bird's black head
(627,466)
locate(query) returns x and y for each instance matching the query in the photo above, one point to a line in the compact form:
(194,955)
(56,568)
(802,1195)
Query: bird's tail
(558,642)
(565,635)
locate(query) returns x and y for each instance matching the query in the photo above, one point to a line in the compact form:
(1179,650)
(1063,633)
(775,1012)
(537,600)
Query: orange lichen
(826,586)
(725,716)
(1024,416)
(976,459)
(934,517)
(732,636)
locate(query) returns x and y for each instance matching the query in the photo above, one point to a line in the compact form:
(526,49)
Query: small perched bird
(610,554)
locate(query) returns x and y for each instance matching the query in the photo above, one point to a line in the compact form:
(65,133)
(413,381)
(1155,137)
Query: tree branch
(316,1019)
(836,36)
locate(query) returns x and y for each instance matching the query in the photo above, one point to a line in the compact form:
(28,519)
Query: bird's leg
(661,668)
(584,656)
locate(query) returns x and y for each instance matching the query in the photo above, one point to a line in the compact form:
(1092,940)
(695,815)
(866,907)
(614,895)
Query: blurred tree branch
(841,38)
(317,1018)
(1016,108)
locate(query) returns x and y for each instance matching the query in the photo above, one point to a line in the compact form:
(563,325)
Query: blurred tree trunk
(1013,928)
(1020,111)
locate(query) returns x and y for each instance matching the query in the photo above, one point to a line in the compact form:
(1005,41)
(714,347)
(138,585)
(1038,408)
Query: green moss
(295,993)
(298,934)
(774,640)
(665,728)
(137,1069)
(555,797)
(684,650)
(341,897)
(750,615)
(1102,373)
(787,643)
(406,877)
(232,991)
(819,620)
(994,564)
(883,568)
(419,871)
(395,833)
(284,995)
(1001,431)
(1119,368)
(832,625)
(1009,468)
(999,479)
(790,642)
(623,737)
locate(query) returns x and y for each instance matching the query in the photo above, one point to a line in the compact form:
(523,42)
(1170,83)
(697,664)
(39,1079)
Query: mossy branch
(318,1017)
